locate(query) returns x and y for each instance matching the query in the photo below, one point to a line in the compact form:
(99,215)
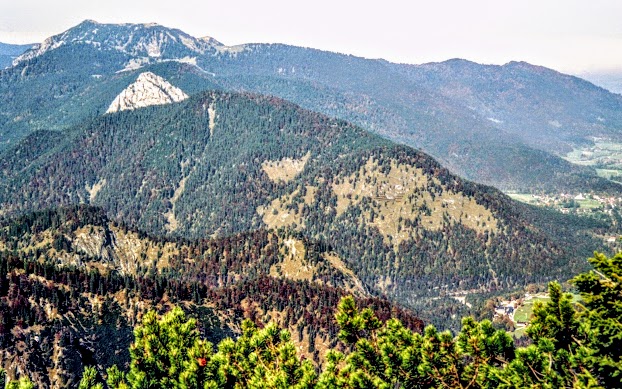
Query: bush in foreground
(572,346)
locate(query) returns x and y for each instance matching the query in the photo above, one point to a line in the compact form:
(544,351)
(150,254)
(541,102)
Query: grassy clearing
(519,333)
(606,156)
(395,200)
(280,213)
(286,169)
(524,312)
(334,259)
(610,146)
(610,174)
(294,266)
(523,197)
(387,200)
(589,204)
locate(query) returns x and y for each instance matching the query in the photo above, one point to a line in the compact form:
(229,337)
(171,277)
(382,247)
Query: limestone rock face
(149,89)
(150,41)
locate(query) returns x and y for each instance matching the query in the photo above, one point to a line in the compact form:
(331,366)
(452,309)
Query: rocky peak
(148,89)
(138,40)
(211,41)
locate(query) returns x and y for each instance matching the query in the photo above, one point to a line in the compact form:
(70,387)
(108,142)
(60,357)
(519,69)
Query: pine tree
(391,356)
(166,353)
(22,383)
(578,348)
(558,356)
(116,378)
(601,292)
(263,358)
(89,379)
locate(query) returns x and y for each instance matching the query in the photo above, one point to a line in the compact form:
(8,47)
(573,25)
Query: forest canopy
(571,346)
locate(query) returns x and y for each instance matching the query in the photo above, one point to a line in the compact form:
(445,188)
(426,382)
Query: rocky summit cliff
(137,40)
(149,89)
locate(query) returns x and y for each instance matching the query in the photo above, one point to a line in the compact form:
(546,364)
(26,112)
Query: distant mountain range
(499,125)
(9,52)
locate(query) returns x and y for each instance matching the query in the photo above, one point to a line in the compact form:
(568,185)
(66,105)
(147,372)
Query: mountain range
(222,163)
(500,125)
(117,116)
(141,168)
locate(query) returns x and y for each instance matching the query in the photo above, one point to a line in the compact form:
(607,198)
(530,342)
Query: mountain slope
(71,83)
(436,117)
(146,41)
(546,109)
(610,80)
(8,53)
(219,164)
(73,284)
(446,109)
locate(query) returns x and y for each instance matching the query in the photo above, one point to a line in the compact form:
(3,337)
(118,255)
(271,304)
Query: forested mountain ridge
(572,345)
(73,284)
(72,83)
(220,164)
(8,53)
(446,109)
(546,109)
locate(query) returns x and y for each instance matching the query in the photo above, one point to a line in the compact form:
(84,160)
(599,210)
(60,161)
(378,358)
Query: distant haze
(574,36)
(611,80)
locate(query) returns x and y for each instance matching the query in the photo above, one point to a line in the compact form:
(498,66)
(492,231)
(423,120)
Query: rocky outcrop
(137,40)
(149,89)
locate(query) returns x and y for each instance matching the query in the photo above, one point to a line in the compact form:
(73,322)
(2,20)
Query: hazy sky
(568,35)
